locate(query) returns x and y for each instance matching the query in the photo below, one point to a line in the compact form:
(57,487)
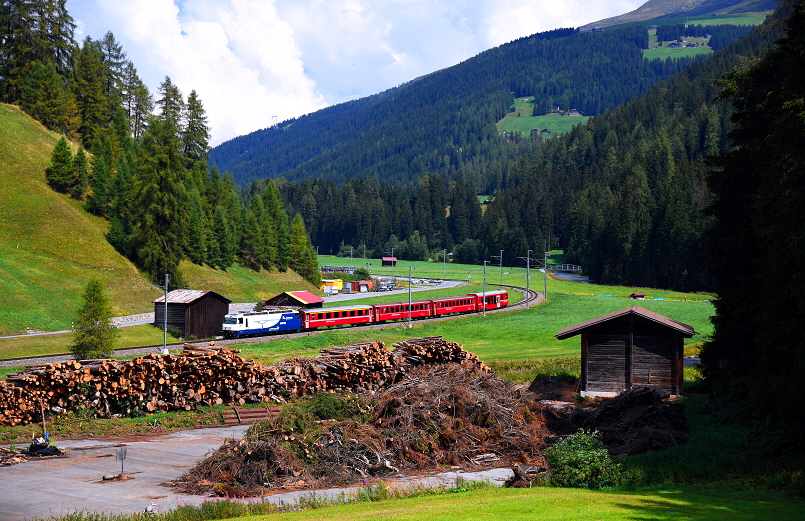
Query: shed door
(606,362)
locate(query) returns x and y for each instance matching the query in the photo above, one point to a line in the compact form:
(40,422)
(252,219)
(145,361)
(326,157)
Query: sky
(256,62)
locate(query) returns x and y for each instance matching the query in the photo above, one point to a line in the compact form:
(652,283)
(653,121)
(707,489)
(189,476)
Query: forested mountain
(624,195)
(444,123)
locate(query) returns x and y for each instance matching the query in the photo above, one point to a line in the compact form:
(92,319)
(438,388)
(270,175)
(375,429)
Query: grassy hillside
(50,246)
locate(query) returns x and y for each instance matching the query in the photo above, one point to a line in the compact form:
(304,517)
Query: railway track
(530,297)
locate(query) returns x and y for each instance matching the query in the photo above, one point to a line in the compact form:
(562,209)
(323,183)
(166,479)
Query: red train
(286,319)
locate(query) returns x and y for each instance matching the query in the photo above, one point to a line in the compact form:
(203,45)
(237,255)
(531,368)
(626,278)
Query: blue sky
(253,60)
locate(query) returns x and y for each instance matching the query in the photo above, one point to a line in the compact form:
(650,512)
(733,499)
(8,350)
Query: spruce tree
(196,133)
(59,174)
(159,210)
(94,335)
(80,175)
(302,255)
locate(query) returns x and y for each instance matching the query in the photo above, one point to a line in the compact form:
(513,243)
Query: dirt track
(61,485)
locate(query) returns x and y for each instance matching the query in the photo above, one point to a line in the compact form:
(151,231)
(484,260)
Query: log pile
(210,375)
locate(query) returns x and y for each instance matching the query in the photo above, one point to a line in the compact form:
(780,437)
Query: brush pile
(635,422)
(210,375)
(439,415)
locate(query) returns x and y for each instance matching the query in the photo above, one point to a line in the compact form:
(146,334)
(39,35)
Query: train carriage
(494,299)
(327,317)
(399,310)
(449,305)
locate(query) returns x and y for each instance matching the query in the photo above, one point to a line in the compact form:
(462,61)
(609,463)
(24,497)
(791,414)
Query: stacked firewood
(210,375)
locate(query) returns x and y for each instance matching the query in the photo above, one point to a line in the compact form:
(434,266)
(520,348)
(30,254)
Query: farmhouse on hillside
(195,313)
(630,348)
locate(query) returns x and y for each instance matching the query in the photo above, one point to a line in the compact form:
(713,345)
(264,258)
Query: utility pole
(350,256)
(165,318)
(483,294)
(545,274)
(410,270)
(527,259)
(444,266)
(500,258)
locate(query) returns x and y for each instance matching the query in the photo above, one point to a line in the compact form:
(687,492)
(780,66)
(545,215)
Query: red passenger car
(445,306)
(326,317)
(494,299)
(399,310)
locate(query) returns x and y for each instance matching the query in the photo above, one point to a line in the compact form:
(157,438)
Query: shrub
(581,460)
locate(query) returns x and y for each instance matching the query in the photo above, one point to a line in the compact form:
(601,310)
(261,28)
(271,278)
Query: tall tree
(170,103)
(757,242)
(159,202)
(89,83)
(196,133)
(302,255)
(94,334)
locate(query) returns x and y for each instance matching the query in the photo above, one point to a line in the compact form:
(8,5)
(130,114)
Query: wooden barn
(195,313)
(388,261)
(630,348)
(301,299)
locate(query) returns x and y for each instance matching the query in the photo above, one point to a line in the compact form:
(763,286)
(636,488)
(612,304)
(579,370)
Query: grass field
(667,52)
(564,504)
(40,345)
(523,122)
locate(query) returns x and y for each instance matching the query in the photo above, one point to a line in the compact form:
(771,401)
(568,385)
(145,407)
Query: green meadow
(521,120)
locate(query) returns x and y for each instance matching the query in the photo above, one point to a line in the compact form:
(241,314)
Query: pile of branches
(635,422)
(439,415)
(210,375)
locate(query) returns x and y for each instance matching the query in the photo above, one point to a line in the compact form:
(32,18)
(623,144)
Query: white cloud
(250,60)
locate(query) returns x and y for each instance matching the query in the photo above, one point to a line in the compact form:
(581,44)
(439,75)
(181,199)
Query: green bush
(581,460)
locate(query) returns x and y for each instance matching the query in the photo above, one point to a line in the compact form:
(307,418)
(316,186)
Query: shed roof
(684,329)
(186,296)
(305,297)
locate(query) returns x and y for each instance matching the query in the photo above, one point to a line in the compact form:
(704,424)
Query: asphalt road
(62,485)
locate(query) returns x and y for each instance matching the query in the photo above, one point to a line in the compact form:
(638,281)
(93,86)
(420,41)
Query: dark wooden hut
(195,313)
(301,299)
(630,348)
(388,261)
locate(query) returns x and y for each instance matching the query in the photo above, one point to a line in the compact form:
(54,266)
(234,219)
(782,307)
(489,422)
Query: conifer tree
(80,175)
(170,103)
(302,255)
(98,199)
(59,174)
(94,335)
(197,231)
(89,82)
(159,203)
(196,133)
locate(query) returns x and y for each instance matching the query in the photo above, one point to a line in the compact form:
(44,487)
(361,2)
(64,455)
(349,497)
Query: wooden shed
(388,261)
(630,348)
(302,299)
(195,313)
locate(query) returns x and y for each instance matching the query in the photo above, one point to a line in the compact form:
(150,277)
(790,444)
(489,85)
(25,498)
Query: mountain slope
(444,122)
(676,8)
(50,246)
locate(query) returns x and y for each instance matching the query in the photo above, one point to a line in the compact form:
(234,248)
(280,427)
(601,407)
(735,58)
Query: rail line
(530,297)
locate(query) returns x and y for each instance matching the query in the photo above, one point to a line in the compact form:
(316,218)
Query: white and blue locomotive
(272,320)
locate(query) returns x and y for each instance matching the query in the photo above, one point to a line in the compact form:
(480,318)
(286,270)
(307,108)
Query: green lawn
(523,122)
(565,504)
